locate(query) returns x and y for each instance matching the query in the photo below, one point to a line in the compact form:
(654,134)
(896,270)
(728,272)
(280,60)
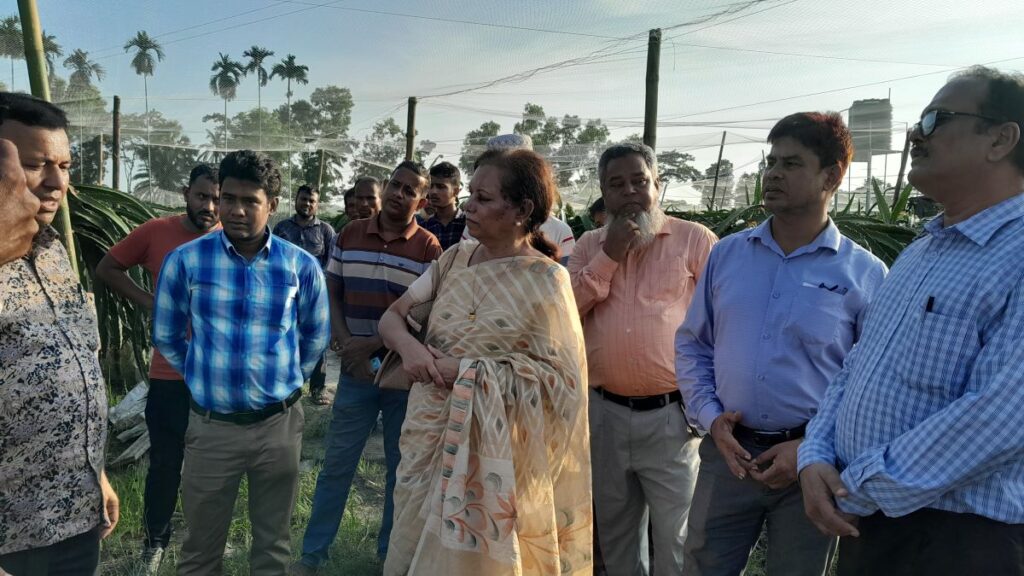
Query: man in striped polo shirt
(373,262)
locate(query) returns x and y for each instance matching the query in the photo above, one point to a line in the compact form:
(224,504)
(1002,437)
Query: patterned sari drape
(495,474)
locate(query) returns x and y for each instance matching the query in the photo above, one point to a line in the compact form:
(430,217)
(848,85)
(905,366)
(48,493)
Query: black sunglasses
(935,118)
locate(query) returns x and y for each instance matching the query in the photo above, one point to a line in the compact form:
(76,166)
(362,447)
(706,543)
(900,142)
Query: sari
(495,473)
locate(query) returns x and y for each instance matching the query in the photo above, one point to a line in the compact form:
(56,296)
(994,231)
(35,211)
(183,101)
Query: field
(354,551)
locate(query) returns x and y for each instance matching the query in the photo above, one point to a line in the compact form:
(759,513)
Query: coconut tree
(146,48)
(82,69)
(256,56)
(291,72)
(12,44)
(51,51)
(224,83)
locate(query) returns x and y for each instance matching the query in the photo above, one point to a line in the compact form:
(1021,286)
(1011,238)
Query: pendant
(472,316)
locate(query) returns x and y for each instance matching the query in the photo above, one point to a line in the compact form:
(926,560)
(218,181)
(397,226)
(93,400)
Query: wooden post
(116,152)
(651,101)
(718,169)
(32,34)
(99,177)
(320,179)
(903,167)
(410,129)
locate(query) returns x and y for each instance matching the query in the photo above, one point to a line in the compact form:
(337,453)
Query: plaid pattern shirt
(928,411)
(258,327)
(449,235)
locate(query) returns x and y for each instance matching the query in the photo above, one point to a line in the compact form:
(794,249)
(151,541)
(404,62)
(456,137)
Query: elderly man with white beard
(633,280)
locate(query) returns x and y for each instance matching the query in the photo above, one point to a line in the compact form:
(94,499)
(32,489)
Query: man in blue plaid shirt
(258,314)
(916,456)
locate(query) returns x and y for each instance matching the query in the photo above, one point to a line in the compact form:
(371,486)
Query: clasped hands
(428,364)
(776,468)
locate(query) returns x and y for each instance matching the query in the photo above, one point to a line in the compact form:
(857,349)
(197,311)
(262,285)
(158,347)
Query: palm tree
(256,56)
(224,83)
(12,44)
(51,51)
(144,64)
(82,69)
(290,71)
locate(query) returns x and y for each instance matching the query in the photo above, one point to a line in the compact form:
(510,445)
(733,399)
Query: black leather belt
(768,439)
(250,417)
(642,403)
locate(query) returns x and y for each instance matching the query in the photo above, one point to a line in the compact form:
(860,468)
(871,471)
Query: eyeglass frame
(937,113)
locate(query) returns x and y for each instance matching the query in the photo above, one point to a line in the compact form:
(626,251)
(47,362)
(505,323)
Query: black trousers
(933,542)
(76,556)
(318,381)
(167,419)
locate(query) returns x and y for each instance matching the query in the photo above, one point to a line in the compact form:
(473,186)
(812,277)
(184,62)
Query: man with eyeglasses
(916,455)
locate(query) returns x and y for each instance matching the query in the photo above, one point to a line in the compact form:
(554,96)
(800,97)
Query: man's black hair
(447,171)
(254,167)
(308,190)
(203,170)
(31,111)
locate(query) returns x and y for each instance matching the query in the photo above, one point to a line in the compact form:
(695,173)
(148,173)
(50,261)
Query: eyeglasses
(935,118)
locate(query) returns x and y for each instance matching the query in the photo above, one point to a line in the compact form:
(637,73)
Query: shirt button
(760,377)
(775,294)
(766,336)
(629,330)
(764,416)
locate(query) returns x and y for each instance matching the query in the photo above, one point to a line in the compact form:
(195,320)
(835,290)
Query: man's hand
(447,366)
(111,506)
(18,206)
(821,486)
(622,232)
(356,350)
(782,469)
(735,456)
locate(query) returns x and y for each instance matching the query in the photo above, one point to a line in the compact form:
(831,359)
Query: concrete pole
(651,100)
(410,129)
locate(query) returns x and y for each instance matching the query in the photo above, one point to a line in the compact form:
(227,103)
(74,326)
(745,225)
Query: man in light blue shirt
(774,314)
(916,456)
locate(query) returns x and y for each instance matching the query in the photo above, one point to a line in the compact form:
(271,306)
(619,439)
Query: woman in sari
(495,471)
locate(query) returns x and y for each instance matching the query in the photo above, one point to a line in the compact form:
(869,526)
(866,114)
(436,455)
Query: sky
(725,65)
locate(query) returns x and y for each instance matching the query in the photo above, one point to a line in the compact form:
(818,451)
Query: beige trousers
(217,455)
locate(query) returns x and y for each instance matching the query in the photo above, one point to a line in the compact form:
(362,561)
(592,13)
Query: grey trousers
(217,455)
(645,467)
(726,519)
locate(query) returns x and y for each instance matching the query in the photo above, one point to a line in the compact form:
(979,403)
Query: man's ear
(1007,140)
(833,177)
(273,204)
(421,202)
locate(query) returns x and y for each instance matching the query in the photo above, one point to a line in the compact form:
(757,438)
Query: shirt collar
(982,226)
(829,239)
(268,240)
(315,222)
(373,227)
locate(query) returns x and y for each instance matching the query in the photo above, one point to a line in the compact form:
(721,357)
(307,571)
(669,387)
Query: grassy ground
(353,553)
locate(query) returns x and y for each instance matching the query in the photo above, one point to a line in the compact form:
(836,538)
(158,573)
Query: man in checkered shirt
(916,456)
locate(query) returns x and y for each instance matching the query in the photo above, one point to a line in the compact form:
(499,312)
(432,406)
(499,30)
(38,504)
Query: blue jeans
(356,406)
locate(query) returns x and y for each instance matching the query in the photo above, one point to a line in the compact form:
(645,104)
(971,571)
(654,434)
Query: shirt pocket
(938,353)
(275,305)
(815,315)
(667,283)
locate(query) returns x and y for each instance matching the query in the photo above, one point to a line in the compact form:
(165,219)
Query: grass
(354,550)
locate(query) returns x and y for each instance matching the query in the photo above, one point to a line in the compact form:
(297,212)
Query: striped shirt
(928,411)
(259,326)
(373,272)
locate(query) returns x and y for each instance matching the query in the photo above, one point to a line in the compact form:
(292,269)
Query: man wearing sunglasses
(916,456)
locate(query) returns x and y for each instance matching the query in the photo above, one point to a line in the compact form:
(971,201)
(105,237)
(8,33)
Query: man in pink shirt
(167,406)
(633,280)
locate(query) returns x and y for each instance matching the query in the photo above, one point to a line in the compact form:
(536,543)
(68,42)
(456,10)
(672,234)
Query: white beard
(650,224)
